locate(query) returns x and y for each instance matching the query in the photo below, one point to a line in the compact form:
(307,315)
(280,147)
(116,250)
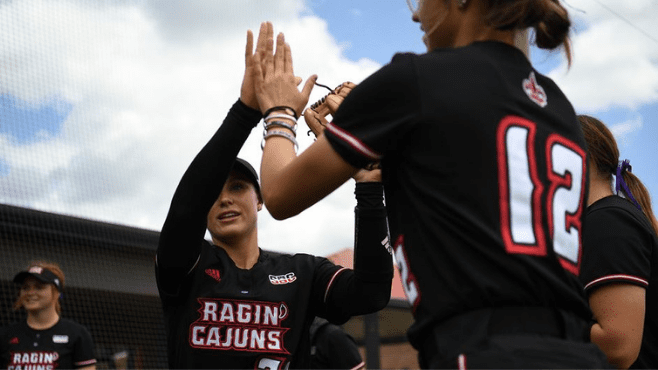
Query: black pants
(512,338)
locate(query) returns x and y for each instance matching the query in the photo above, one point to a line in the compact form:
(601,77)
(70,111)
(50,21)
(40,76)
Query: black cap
(244,167)
(40,273)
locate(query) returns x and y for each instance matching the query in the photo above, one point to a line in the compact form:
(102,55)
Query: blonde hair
(55,269)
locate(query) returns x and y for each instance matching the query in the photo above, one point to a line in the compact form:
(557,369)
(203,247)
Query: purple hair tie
(624,166)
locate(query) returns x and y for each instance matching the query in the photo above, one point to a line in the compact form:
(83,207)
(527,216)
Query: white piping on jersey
(619,276)
(195,264)
(326,293)
(361,365)
(354,142)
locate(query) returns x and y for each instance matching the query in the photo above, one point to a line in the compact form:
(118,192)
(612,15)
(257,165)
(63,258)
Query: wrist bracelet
(280,115)
(270,124)
(283,134)
(287,109)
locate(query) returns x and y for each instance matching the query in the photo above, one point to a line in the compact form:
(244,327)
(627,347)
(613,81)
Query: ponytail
(604,154)
(548,19)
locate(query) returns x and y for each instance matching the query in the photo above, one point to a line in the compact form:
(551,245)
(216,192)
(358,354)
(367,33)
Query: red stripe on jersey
(355,143)
(618,277)
(326,293)
(461,362)
(85,363)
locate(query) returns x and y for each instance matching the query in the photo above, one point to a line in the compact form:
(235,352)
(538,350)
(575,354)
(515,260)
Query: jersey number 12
(522,194)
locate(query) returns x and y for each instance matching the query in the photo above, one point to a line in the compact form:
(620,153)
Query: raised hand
(247,92)
(274,80)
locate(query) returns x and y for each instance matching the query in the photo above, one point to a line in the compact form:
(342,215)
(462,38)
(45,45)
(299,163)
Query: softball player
(45,340)
(230,304)
(620,257)
(484,169)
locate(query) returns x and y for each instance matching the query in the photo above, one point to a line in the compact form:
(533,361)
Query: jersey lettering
(566,171)
(33,360)
(276,363)
(249,326)
(520,188)
(521,209)
(406,276)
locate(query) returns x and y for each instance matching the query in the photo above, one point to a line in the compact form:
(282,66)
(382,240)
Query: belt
(449,335)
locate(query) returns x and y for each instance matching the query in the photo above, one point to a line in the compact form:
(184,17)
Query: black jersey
(332,348)
(484,170)
(220,316)
(66,345)
(620,246)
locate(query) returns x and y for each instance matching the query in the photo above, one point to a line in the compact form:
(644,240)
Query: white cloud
(623,130)
(615,63)
(149,84)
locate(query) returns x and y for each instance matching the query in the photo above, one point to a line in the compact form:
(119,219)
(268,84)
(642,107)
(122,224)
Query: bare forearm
(292,184)
(618,351)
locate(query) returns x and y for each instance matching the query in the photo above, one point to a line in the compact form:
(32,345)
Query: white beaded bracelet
(269,134)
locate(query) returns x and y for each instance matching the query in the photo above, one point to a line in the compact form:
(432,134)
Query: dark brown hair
(55,269)
(604,154)
(548,18)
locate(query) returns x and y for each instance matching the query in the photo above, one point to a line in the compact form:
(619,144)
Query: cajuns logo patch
(534,91)
(283,279)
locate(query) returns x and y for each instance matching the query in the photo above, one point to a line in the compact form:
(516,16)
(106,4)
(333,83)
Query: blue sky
(379,29)
(103,105)
(26,123)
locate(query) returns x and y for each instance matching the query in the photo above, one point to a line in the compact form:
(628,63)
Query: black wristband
(269,111)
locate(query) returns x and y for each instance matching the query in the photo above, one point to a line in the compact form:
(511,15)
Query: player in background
(45,340)
(230,304)
(620,255)
(332,348)
(484,170)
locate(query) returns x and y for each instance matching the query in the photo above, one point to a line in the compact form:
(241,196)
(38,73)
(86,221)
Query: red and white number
(522,210)
(406,276)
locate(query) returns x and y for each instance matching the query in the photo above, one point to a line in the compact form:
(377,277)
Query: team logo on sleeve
(283,279)
(535,92)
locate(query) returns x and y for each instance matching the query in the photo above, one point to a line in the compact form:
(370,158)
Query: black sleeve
(335,349)
(4,350)
(367,288)
(185,226)
(377,114)
(616,249)
(83,354)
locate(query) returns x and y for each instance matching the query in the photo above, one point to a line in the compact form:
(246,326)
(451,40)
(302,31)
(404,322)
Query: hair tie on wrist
(287,109)
(624,166)
(283,134)
(274,123)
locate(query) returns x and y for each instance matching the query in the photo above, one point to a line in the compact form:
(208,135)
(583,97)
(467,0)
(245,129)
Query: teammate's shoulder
(614,208)
(13,327)
(71,324)
(612,203)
